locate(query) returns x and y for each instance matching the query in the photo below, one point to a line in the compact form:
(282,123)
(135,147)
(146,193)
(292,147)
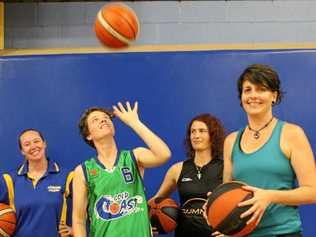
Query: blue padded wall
(50,92)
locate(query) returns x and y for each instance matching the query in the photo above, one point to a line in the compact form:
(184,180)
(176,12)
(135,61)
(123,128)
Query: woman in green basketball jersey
(269,155)
(109,186)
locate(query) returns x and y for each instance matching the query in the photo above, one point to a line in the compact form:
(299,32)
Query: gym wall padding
(49,93)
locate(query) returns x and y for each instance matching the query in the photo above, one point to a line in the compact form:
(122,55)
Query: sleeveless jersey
(116,200)
(193,194)
(268,168)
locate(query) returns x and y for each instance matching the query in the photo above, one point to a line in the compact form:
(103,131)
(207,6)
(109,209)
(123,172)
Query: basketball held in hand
(223,213)
(7,220)
(116,25)
(163,214)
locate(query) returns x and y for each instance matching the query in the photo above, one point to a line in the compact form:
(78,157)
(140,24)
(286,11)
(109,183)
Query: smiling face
(99,125)
(199,136)
(257,99)
(33,147)
(264,77)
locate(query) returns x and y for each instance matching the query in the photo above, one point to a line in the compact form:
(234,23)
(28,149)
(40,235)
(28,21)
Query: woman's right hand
(259,202)
(65,230)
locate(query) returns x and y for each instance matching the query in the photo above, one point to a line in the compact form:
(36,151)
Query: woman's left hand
(65,230)
(127,114)
(259,203)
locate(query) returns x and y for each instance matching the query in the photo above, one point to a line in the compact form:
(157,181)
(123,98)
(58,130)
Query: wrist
(135,123)
(271,196)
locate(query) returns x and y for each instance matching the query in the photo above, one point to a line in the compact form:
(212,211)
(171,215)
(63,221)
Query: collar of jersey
(53,167)
(116,161)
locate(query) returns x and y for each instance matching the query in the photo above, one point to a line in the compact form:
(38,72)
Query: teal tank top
(268,168)
(117,204)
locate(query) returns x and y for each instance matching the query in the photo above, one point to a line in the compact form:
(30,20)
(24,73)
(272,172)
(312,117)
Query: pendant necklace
(199,173)
(256,134)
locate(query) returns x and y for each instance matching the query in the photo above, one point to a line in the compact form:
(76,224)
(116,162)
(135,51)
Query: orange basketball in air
(7,220)
(116,25)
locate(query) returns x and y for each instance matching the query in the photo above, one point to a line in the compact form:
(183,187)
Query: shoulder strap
(86,167)
(185,165)
(236,146)
(10,188)
(63,216)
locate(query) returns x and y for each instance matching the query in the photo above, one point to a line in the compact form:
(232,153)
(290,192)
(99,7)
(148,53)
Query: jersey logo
(53,189)
(113,207)
(193,207)
(127,175)
(93,172)
(186,179)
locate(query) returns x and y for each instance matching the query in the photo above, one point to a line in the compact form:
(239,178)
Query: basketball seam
(222,189)
(242,224)
(8,222)
(163,214)
(2,232)
(112,31)
(128,22)
(5,211)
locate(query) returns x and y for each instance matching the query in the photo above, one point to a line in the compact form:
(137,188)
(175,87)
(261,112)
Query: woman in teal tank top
(270,156)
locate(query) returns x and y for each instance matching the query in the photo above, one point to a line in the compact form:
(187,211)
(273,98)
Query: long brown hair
(216,132)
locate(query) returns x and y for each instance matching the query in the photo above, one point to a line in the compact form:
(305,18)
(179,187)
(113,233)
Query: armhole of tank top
(85,174)
(135,163)
(181,172)
(219,163)
(281,124)
(276,132)
(237,142)
(134,159)
(137,169)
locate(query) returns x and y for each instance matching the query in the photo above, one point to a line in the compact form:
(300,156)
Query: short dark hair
(83,125)
(27,130)
(264,75)
(216,132)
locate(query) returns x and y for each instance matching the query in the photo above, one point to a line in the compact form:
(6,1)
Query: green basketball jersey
(116,201)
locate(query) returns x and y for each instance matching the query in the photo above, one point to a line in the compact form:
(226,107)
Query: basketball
(163,214)
(223,214)
(116,25)
(7,220)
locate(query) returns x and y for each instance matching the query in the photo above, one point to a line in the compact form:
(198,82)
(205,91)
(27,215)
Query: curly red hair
(216,132)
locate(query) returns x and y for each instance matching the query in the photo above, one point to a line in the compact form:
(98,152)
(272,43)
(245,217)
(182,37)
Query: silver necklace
(256,134)
(199,173)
